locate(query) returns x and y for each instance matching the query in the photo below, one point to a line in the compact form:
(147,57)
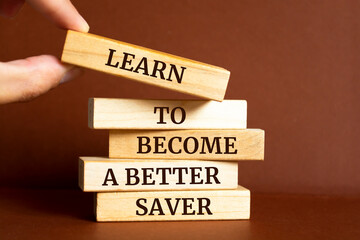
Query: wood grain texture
(107,113)
(127,60)
(173,205)
(100,174)
(229,145)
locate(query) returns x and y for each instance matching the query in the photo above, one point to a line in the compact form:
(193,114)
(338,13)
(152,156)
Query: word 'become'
(190,145)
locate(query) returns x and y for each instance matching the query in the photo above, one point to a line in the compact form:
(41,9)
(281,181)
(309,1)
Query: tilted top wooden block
(107,113)
(145,65)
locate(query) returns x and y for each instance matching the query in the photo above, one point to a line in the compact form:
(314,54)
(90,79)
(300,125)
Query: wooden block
(166,114)
(98,174)
(145,65)
(173,205)
(230,145)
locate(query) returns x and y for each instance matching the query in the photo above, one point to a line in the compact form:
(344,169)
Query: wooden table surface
(67,214)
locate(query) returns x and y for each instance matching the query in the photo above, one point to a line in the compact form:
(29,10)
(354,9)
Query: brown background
(295,62)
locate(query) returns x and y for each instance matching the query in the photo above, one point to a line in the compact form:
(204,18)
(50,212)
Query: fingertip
(83,25)
(78,24)
(56,71)
(71,74)
(47,70)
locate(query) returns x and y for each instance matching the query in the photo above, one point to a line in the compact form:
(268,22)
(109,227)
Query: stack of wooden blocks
(168,159)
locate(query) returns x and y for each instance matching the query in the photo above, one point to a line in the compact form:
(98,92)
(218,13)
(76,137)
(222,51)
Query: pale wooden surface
(107,113)
(92,51)
(224,204)
(249,144)
(94,170)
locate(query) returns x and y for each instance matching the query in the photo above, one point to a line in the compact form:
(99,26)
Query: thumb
(25,79)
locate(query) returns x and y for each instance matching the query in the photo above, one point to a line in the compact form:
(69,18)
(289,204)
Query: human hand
(24,79)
